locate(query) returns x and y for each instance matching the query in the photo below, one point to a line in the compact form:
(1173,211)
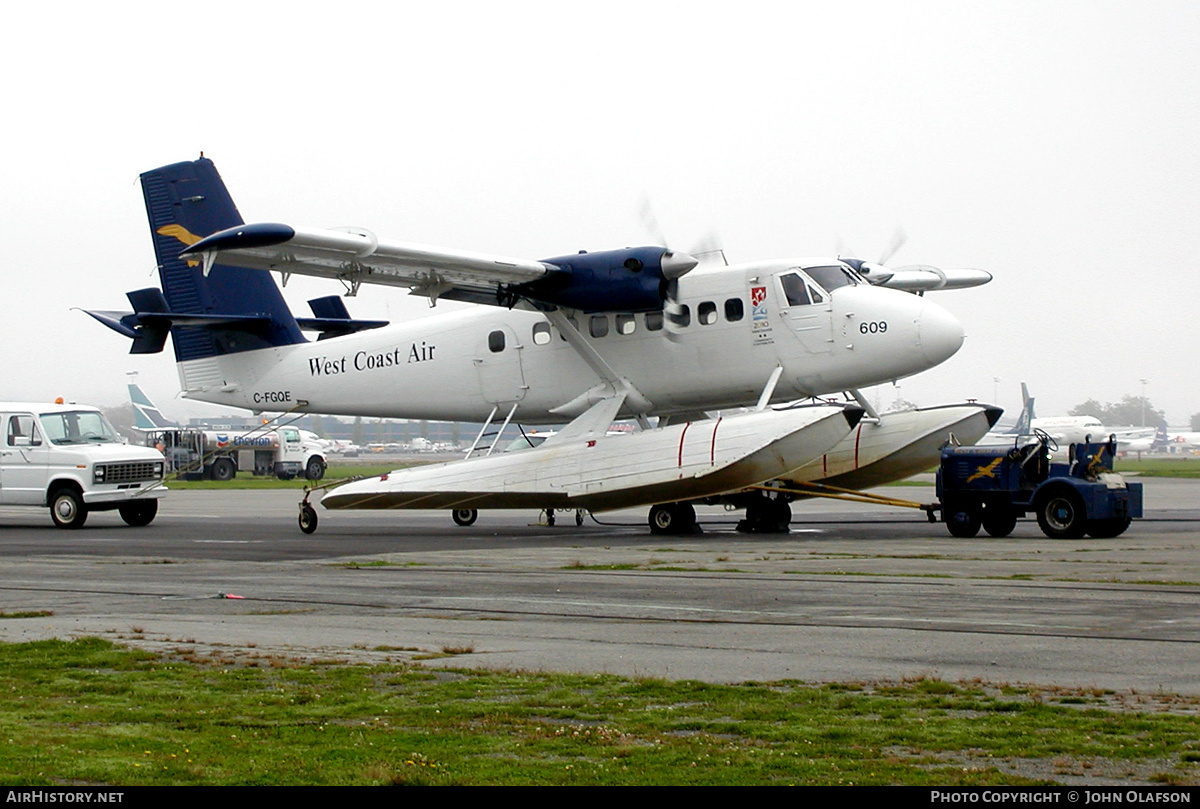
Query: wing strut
(871,416)
(769,390)
(611,385)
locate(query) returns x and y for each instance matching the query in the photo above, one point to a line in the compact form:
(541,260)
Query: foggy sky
(1055,145)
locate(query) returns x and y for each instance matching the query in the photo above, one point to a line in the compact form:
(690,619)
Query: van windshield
(78,427)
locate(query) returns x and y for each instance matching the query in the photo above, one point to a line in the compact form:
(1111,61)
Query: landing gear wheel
(1062,515)
(999,522)
(963,523)
(464,516)
(1107,529)
(578,517)
(550,517)
(223,470)
(672,518)
(308,518)
(67,509)
(314,469)
(138,512)
(767,516)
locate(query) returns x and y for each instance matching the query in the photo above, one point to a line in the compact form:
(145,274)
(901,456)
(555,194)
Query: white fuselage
(462,365)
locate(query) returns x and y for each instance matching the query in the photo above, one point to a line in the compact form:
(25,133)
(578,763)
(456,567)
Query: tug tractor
(991,487)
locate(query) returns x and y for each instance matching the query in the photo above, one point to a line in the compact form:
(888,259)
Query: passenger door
(806,311)
(24,461)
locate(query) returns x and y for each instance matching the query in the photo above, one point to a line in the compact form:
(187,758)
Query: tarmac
(854,593)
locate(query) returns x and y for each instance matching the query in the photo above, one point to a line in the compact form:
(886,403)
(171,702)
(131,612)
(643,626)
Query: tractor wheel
(1062,515)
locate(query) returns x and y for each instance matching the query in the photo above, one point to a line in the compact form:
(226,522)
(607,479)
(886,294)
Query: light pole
(1144,383)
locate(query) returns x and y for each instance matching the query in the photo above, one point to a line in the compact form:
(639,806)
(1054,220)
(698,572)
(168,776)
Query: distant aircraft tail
(1024,424)
(145,415)
(1161,439)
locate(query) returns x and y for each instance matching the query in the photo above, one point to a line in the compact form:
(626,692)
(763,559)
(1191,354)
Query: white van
(68,457)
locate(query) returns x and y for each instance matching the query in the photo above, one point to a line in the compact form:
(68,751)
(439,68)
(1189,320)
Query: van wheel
(67,509)
(315,470)
(138,512)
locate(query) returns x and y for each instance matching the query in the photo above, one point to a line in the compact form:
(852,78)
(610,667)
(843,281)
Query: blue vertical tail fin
(232,309)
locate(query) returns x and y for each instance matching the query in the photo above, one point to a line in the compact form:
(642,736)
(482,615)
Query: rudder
(186,202)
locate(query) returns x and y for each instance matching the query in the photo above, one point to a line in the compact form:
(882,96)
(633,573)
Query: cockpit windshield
(78,427)
(813,284)
(830,278)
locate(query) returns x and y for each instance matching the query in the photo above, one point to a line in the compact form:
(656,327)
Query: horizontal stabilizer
(151,321)
(332,319)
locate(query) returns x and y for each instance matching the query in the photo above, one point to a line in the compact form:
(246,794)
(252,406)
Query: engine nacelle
(630,280)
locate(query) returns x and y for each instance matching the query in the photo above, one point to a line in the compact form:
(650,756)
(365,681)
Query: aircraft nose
(939,333)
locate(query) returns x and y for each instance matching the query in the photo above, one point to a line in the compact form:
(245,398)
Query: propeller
(877,271)
(674,265)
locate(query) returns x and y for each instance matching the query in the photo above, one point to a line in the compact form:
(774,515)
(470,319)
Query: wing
(633,279)
(356,256)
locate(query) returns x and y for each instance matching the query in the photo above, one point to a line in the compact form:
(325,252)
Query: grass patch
(26,614)
(91,712)
(247,480)
(1160,467)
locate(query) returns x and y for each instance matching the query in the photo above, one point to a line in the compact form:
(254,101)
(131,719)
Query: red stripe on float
(681,435)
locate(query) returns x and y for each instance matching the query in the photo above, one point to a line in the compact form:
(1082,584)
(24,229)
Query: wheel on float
(672,518)
(308,518)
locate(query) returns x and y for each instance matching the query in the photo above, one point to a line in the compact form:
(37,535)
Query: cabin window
(681,315)
(626,324)
(574,325)
(706,313)
(496,342)
(598,325)
(734,310)
(654,321)
(541,333)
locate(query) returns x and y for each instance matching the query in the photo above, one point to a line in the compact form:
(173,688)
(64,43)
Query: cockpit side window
(794,289)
